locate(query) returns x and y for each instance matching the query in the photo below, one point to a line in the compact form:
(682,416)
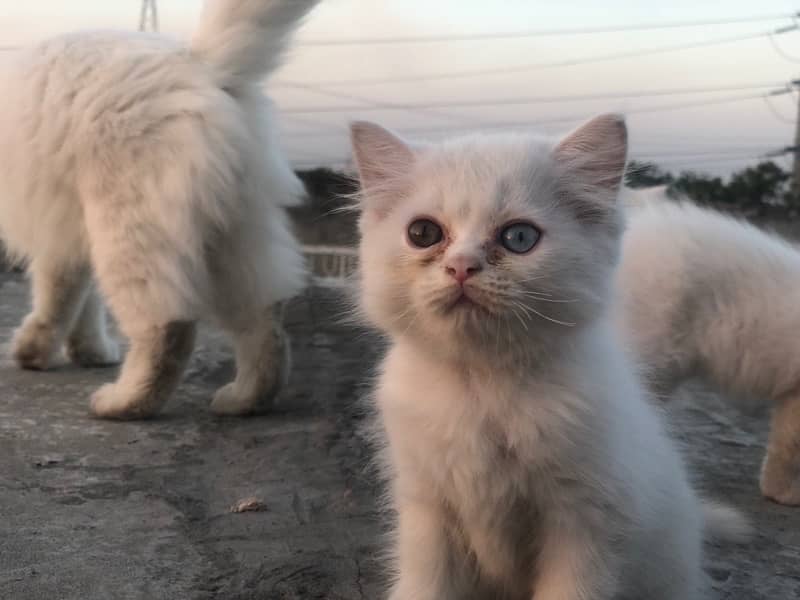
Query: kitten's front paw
(229,400)
(33,345)
(780,481)
(111,401)
(100,352)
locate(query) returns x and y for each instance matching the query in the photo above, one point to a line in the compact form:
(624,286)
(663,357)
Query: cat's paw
(96,352)
(256,395)
(33,345)
(780,481)
(112,401)
(229,400)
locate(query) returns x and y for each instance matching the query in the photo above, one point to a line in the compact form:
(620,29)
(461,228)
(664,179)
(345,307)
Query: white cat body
(706,295)
(152,167)
(515,468)
(523,457)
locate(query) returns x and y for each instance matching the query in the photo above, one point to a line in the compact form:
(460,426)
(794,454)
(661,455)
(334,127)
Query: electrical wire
(500,35)
(373,106)
(467,73)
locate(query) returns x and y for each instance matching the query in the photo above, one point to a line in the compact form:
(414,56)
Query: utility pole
(796,161)
(148,18)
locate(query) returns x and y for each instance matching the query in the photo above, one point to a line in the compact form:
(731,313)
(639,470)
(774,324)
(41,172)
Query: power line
(709,161)
(574,118)
(694,159)
(781,51)
(377,104)
(660,108)
(698,154)
(466,73)
(430,39)
(782,152)
(775,111)
(524,99)
(310,122)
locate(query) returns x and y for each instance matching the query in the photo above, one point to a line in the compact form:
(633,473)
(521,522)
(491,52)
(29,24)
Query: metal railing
(330,265)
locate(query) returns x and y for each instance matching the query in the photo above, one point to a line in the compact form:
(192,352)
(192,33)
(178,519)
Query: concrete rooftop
(93,510)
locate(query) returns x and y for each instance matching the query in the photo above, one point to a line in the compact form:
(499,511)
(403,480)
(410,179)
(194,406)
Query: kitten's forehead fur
(473,186)
(504,172)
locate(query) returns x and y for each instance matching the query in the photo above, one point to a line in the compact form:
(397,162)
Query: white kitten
(153,167)
(524,459)
(705,294)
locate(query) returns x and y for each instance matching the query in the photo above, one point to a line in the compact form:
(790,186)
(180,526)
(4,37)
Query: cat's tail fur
(725,523)
(244,40)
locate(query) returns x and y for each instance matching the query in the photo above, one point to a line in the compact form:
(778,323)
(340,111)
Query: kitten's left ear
(596,151)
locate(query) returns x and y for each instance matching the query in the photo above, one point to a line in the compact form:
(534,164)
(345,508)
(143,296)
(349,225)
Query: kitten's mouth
(464,301)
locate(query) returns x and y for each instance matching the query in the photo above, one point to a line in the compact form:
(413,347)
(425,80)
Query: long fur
(708,295)
(158,166)
(242,41)
(522,456)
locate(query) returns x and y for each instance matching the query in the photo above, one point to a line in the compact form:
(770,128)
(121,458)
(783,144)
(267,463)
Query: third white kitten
(524,460)
(707,295)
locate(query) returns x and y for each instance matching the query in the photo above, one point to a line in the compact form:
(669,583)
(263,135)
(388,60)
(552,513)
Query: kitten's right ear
(596,152)
(383,162)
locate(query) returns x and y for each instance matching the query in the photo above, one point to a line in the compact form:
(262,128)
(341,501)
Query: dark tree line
(761,190)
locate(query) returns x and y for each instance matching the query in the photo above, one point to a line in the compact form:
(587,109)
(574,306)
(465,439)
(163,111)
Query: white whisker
(551,319)
(535,296)
(519,317)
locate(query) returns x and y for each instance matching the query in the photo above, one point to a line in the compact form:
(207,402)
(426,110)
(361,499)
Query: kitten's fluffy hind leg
(151,372)
(58,294)
(89,344)
(780,473)
(262,367)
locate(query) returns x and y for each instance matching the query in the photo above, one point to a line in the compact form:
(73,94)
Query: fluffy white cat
(707,295)
(524,459)
(152,167)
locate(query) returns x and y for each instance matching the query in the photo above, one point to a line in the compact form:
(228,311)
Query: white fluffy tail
(244,40)
(725,523)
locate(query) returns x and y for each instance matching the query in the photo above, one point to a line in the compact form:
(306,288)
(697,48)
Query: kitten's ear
(383,161)
(596,152)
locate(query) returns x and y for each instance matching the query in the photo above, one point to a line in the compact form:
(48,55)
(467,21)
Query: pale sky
(714,138)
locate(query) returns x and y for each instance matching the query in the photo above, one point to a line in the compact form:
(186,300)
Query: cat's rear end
(153,167)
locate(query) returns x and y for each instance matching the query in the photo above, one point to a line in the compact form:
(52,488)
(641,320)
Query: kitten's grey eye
(519,237)
(424,233)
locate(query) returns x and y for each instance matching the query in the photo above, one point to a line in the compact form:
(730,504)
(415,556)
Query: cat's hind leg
(89,344)
(254,270)
(59,292)
(151,372)
(149,289)
(263,362)
(146,243)
(780,472)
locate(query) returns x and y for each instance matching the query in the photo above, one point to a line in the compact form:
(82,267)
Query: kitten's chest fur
(470,448)
(489,489)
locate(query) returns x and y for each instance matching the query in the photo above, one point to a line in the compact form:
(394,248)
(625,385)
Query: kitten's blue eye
(424,233)
(519,238)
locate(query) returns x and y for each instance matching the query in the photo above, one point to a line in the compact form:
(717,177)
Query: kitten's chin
(463,301)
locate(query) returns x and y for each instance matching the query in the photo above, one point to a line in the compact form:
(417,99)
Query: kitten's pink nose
(462,267)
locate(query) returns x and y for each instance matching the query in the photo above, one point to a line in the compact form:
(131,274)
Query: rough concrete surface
(94,510)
